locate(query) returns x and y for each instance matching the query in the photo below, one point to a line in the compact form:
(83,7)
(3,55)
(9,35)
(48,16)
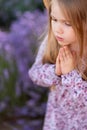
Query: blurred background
(22,103)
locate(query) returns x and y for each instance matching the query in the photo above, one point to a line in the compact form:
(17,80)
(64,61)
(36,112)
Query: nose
(59,28)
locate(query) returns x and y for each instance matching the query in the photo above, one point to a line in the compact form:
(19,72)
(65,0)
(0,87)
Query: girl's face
(61,27)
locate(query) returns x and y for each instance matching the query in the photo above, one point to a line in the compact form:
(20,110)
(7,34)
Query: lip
(59,38)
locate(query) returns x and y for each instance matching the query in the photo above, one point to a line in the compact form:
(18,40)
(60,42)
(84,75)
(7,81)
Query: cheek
(53,27)
(53,30)
(71,34)
(73,37)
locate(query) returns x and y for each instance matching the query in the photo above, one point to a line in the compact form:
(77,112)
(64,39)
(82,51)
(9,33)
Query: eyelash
(68,24)
(55,20)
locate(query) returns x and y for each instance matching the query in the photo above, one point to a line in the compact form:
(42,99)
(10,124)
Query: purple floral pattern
(67,103)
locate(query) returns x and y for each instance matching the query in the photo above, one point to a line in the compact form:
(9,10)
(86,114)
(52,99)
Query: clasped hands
(65,61)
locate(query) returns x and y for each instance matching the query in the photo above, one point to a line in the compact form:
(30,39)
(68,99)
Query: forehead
(58,11)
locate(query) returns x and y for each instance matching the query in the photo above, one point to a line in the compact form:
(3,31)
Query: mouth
(59,38)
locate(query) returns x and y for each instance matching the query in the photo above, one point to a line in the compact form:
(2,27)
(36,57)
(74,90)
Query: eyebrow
(62,20)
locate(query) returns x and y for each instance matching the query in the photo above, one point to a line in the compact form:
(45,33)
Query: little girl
(61,65)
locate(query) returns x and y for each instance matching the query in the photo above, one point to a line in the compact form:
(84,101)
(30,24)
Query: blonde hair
(76,11)
(46,3)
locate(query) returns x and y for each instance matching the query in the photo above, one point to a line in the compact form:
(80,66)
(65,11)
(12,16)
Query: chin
(63,44)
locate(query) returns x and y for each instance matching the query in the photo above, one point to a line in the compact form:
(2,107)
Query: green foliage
(9,10)
(21,5)
(8,77)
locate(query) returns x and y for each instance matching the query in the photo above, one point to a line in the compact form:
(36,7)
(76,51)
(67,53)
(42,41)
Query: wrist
(68,71)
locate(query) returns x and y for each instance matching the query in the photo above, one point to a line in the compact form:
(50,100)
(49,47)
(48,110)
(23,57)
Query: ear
(46,3)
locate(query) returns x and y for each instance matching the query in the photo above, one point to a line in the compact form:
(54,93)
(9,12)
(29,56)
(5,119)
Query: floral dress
(67,99)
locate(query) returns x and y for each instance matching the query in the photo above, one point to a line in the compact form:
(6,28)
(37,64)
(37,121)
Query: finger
(63,54)
(57,58)
(67,51)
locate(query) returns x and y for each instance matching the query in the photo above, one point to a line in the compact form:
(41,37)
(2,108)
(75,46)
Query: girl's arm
(40,74)
(74,80)
(71,78)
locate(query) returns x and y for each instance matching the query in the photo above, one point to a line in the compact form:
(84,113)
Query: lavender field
(22,103)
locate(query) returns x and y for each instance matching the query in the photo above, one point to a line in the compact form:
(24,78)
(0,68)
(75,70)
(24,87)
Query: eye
(67,23)
(53,19)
